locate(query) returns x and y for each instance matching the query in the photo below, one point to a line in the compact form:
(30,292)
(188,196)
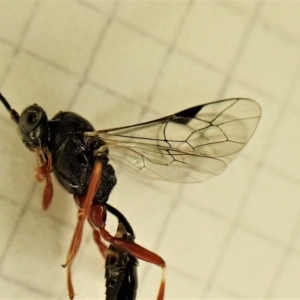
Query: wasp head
(33,126)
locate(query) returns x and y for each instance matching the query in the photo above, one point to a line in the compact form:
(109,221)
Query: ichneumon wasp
(189,146)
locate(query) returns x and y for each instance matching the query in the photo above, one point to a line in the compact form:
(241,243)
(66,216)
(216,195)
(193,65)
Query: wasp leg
(48,193)
(41,172)
(102,247)
(82,214)
(97,217)
(97,237)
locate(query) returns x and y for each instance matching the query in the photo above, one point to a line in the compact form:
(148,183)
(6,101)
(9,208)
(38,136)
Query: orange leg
(96,235)
(42,172)
(82,214)
(102,247)
(97,217)
(48,193)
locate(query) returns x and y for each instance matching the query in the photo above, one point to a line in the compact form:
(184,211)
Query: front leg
(43,171)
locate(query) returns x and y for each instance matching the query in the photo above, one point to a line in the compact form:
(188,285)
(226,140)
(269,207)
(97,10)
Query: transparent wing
(189,146)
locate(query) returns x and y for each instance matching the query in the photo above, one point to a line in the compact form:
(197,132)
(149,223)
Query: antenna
(14,115)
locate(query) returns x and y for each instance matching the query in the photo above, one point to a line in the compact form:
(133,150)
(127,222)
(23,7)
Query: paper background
(120,62)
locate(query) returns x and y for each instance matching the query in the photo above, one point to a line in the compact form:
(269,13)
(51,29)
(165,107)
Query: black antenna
(13,113)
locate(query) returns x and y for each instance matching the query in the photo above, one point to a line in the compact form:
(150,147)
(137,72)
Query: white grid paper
(119,62)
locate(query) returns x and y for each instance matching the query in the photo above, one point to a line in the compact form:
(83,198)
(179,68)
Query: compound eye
(30,118)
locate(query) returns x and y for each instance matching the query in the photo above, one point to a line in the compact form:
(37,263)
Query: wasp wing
(189,146)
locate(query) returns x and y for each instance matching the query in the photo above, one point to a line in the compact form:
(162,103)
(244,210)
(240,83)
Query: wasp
(189,146)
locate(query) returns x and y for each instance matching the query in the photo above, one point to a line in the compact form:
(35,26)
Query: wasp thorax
(33,125)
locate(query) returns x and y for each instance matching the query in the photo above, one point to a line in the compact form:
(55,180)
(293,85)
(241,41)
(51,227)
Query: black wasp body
(189,146)
(72,157)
